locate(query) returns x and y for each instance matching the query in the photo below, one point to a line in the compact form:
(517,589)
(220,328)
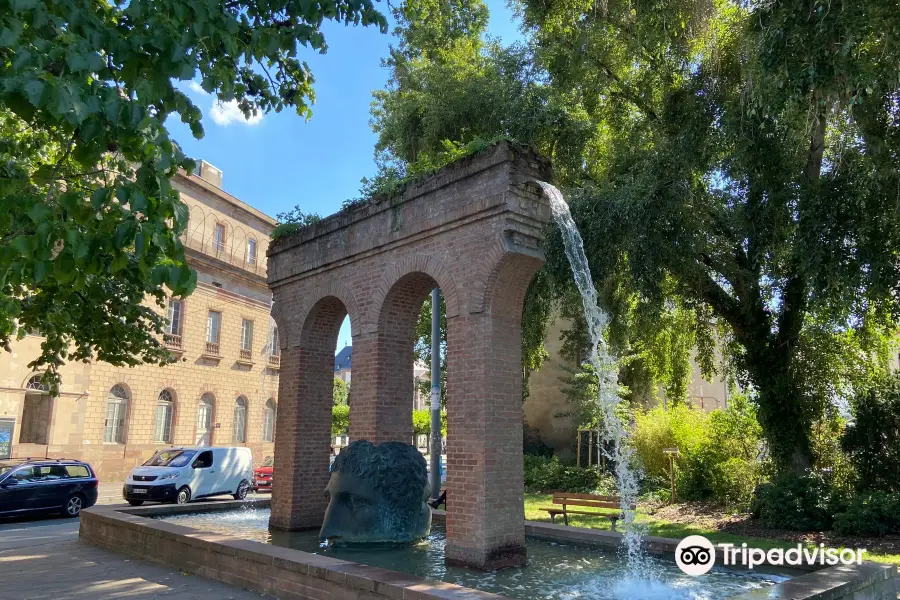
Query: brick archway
(474,230)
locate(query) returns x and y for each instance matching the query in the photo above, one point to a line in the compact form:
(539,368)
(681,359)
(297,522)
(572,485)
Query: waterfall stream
(617,449)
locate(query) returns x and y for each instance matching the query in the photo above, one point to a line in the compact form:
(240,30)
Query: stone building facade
(223,388)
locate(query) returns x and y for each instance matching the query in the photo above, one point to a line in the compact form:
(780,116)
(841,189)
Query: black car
(46,485)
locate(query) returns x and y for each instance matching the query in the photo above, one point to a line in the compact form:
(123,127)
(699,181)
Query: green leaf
(10,35)
(23,5)
(138,202)
(39,212)
(34,91)
(40,271)
(100,197)
(25,244)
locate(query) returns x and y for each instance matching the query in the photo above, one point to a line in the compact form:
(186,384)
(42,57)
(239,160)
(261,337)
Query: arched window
(205,419)
(165,410)
(35,384)
(239,436)
(116,409)
(269,421)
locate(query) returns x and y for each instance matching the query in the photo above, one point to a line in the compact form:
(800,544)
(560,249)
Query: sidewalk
(43,560)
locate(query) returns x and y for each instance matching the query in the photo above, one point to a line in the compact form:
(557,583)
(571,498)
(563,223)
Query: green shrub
(721,454)
(874,514)
(872,440)
(679,426)
(806,502)
(533,443)
(544,474)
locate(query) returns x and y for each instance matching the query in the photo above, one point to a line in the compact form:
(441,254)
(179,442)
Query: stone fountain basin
(294,575)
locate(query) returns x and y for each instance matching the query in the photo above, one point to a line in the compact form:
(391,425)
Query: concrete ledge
(295,575)
(868,581)
(264,568)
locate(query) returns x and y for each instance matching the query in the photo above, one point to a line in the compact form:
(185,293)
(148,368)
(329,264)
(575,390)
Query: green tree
(340,393)
(90,223)
(340,419)
(872,439)
(422,423)
(733,171)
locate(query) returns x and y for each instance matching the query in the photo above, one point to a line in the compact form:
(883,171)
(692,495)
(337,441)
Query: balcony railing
(212,348)
(172,340)
(274,361)
(246,355)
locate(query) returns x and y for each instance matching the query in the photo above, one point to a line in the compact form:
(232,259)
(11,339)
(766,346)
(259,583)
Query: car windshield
(170,458)
(269,462)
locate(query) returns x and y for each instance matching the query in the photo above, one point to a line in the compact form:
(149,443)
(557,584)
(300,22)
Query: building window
(116,409)
(35,384)
(247,335)
(219,236)
(269,421)
(165,409)
(274,348)
(172,336)
(205,420)
(176,310)
(251,251)
(239,436)
(213,330)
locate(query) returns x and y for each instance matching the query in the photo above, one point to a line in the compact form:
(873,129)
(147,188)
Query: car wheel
(243,488)
(73,505)
(135,502)
(184,495)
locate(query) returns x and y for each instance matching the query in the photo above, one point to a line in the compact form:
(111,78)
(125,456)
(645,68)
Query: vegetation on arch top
(91,223)
(391,186)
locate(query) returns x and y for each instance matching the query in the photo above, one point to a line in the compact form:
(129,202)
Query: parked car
(46,486)
(262,475)
(184,474)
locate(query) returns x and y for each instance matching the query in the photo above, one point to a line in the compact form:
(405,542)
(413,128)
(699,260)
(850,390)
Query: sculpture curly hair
(397,470)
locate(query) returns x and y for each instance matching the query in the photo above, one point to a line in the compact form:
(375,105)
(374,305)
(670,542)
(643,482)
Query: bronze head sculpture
(377,494)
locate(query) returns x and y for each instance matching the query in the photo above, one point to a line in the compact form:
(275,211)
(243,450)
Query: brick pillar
(485,511)
(303,427)
(381,391)
(363,417)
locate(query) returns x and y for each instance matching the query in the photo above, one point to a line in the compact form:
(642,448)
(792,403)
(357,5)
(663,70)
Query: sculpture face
(377,495)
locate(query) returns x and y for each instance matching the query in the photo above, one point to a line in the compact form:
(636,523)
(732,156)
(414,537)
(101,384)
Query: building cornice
(234,296)
(201,184)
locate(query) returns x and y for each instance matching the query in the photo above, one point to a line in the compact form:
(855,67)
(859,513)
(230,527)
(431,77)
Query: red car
(262,475)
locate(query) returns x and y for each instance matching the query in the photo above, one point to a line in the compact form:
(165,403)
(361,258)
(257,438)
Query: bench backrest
(588,500)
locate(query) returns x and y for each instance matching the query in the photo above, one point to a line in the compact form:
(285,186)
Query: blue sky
(282,160)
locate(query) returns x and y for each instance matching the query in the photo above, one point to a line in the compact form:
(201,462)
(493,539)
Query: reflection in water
(554,572)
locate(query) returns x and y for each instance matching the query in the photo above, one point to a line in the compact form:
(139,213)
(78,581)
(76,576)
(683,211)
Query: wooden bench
(587,501)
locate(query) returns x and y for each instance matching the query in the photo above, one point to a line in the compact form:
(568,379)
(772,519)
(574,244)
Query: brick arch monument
(474,230)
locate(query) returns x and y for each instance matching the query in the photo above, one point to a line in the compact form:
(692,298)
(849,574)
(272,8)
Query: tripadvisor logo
(696,555)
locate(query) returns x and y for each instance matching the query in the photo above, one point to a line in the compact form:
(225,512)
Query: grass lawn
(535,502)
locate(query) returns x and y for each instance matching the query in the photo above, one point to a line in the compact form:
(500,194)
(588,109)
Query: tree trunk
(782,411)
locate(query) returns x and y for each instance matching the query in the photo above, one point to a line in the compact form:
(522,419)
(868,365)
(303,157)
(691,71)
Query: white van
(184,474)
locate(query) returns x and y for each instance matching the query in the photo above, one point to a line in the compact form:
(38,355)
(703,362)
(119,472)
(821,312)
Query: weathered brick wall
(473,230)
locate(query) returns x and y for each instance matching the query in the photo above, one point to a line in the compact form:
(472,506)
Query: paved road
(42,559)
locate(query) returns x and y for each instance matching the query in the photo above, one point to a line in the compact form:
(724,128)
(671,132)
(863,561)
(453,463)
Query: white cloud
(195,87)
(226,113)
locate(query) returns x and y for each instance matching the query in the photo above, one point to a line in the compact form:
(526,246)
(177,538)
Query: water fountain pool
(555,571)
